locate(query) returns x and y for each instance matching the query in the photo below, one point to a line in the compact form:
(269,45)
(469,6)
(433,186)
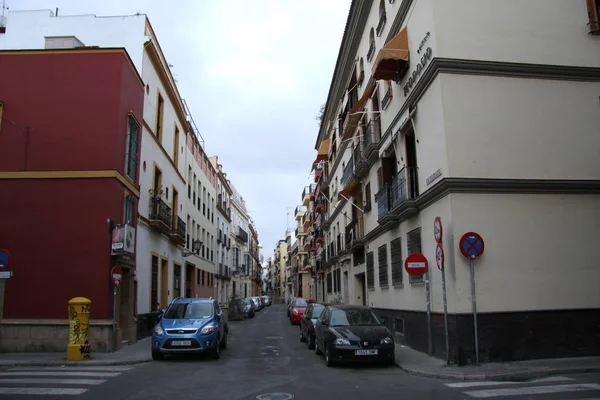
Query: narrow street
(265,355)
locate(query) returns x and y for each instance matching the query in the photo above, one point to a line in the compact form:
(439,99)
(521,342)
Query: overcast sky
(254,73)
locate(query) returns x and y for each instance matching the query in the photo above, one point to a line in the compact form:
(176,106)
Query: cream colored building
(485,114)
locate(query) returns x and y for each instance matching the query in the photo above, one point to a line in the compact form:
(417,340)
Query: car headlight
(158,330)
(341,342)
(387,340)
(207,329)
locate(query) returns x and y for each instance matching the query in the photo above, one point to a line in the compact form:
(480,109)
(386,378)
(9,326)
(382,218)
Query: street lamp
(196,246)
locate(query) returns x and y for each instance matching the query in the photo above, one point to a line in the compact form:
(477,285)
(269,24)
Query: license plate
(365,352)
(181,342)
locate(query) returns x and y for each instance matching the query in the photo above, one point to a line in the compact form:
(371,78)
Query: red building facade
(70,135)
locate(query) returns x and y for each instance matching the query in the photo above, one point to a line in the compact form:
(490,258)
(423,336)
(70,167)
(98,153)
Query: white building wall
(196,221)
(520,128)
(27,29)
(551,32)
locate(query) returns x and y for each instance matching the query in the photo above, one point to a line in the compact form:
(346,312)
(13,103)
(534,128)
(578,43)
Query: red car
(297,309)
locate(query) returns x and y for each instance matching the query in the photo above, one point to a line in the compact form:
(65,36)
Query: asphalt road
(265,356)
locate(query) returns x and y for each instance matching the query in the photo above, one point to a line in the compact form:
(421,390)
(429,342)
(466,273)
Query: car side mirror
(159,317)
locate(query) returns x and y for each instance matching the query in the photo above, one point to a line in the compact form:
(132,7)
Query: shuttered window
(396,255)
(413,244)
(383,265)
(329,282)
(370,271)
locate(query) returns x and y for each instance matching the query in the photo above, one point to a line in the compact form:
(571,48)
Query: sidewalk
(417,363)
(134,354)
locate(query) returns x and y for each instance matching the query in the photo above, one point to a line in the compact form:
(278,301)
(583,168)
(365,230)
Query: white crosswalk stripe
(535,387)
(61,381)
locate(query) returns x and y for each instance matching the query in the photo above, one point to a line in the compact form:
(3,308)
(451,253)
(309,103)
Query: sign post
(471,246)
(116,276)
(5,274)
(417,265)
(440,259)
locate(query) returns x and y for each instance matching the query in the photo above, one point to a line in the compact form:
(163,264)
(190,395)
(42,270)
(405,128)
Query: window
(160,106)
(129,210)
(329,283)
(396,253)
(382,261)
(131,152)
(367,207)
(370,271)
(594,16)
(176,147)
(413,244)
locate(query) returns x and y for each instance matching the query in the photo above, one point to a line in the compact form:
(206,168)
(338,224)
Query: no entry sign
(416,264)
(116,275)
(471,245)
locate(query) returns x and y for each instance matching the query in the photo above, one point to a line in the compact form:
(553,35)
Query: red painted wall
(75,106)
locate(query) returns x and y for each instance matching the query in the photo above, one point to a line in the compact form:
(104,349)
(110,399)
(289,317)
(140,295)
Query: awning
(392,58)
(323,152)
(348,190)
(354,113)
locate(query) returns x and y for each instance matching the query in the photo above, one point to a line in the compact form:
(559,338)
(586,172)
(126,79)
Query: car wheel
(328,359)
(223,343)
(157,355)
(216,354)
(317,351)
(311,342)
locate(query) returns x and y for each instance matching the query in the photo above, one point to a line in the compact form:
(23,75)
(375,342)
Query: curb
(511,376)
(65,363)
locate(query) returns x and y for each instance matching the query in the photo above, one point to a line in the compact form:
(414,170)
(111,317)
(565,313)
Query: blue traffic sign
(471,245)
(4,258)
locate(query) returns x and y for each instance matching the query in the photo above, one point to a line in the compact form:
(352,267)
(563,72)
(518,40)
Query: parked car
(248,307)
(267,300)
(308,322)
(353,333)
(297,309)
(257,303)
(190,325)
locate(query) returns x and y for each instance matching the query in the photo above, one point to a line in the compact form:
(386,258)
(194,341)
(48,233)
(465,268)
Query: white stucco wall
(520,128)
(539,251)
(551,32)
(27,29)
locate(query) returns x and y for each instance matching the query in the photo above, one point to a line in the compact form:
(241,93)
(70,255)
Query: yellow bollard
(79,322)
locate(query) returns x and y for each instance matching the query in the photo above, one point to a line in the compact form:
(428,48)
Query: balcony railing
(404,187)
(220,236)
(308,190)
(160,213)
(348,173)
(242,235)
(178,230)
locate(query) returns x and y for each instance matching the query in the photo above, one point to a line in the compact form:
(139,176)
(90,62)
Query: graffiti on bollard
(79,321)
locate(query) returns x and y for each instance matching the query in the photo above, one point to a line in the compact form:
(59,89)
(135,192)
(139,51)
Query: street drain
(275,396)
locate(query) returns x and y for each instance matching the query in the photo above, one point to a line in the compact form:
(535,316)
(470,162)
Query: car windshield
(316,310)
(301,303)
(353,317)
(246,301)
(189,311)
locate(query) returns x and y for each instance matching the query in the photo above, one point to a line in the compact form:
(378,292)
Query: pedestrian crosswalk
(48,381)
(550,385)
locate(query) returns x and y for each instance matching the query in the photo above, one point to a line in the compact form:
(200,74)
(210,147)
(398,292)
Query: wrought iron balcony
(242,235)
(160,215)
(348,174)
(178,231)
(395,201)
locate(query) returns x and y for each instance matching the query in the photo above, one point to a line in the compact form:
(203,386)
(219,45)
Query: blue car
(190,326)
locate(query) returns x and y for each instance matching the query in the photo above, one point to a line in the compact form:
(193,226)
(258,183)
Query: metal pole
(446,316)
(115,318)
(428,302)
(474,301)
